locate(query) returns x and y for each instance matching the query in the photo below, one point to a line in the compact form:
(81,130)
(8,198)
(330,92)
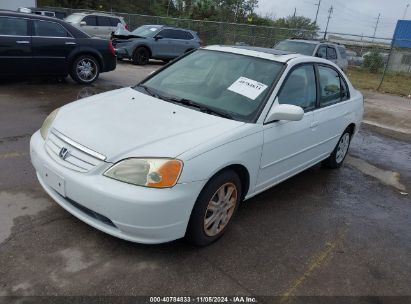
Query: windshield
(74,18)
(146,30)
(229,83)
(300,47)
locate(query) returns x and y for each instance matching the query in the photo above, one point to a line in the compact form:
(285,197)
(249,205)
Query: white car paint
(125,123)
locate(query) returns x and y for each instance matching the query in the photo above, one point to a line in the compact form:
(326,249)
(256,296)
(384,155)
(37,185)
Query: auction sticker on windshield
(247,87)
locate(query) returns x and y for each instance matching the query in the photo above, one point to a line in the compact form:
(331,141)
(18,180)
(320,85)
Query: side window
(331,53)
(332,87)
(188,36)
(90,20)
(13,26)
(322,52)
(300,88)
(166,34)
(179,35)
(103,21)
(343,53)
(49,29)
(114,21)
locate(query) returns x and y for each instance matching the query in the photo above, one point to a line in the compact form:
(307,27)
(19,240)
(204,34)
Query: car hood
(126,123)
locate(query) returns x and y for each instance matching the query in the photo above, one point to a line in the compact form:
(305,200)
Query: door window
(322,52)
(49,29)
(13,26)
(173,34)
(90,20)
(103,21)
(300,88)
(332,87)
(331,53)
(167,34)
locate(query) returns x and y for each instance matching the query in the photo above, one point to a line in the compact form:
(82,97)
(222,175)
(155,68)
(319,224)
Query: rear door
(333,114)
(182,41)
(52,45)
(15,46)
(104,27)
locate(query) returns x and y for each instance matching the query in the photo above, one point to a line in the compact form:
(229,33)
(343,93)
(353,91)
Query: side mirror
(285,112)
(158,37)
(83,23)
(319,55)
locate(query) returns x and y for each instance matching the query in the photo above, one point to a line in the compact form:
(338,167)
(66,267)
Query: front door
(15,46)
(290,146)
(52,45)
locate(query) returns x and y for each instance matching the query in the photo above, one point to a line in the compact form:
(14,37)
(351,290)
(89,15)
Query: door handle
(70,43)
(22,42)
(315,124)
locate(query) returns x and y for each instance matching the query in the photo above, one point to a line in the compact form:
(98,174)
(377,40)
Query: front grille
(77,159)
(91,213)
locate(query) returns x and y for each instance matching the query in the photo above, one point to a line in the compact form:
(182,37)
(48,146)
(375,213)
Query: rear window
(343,53)
(103,21)
(49,29)
(304,48)
(13,26)
(114,21)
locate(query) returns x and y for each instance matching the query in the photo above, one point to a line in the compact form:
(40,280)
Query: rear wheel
(85,69)
(141,56)
(214,209)
(336,159)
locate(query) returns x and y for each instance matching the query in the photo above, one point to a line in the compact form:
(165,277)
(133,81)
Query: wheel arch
(90,52)
(242,173)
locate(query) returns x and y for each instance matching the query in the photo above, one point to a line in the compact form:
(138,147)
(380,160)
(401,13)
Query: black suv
(38,45)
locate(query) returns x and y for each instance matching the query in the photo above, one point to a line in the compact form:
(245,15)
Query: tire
(207,225)
(141,56)
(85,69)
(336,159)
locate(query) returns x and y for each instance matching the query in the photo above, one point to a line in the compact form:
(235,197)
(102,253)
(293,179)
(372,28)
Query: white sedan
(176,154)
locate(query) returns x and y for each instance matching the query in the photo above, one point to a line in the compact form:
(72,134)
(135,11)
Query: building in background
(13,5)
(401,56)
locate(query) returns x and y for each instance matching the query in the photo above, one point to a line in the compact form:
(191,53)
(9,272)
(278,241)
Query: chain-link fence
(374,62)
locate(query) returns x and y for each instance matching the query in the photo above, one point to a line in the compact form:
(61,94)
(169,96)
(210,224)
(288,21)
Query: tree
(301,27)
(373,61)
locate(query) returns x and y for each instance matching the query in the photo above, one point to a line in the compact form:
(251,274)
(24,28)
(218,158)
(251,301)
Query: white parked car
(175,155)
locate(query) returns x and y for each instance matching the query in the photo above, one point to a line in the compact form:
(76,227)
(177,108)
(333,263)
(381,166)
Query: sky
(349,16)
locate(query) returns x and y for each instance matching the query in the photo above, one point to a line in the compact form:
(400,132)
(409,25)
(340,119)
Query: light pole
(405,12)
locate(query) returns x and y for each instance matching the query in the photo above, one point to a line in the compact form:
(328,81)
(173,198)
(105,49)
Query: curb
(399,134)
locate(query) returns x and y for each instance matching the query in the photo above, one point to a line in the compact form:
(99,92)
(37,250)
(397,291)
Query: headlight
(47,123)
(148,172)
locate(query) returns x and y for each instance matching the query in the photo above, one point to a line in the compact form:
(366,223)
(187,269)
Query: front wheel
(336,159)
(85,69)
(214,209)
(141,56)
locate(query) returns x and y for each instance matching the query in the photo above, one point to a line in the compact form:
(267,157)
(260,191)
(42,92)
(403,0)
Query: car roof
(265,53)
(28,15)
(168,27)
(96,13)
(316,42)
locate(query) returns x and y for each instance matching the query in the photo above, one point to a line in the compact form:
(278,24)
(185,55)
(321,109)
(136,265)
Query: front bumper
(122,53)
(133,213)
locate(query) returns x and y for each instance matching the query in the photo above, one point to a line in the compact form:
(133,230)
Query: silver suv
(96,24)
(327,50)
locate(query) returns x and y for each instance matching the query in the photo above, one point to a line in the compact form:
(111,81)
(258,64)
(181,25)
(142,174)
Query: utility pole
(295,11)
(168,7)
(330,11)
(405,12)
(376,26)
(318,9)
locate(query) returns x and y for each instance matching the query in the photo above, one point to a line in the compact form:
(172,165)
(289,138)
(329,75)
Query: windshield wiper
(149,91)
(201,108)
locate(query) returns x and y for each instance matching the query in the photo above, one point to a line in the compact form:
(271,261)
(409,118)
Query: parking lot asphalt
(322,232)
